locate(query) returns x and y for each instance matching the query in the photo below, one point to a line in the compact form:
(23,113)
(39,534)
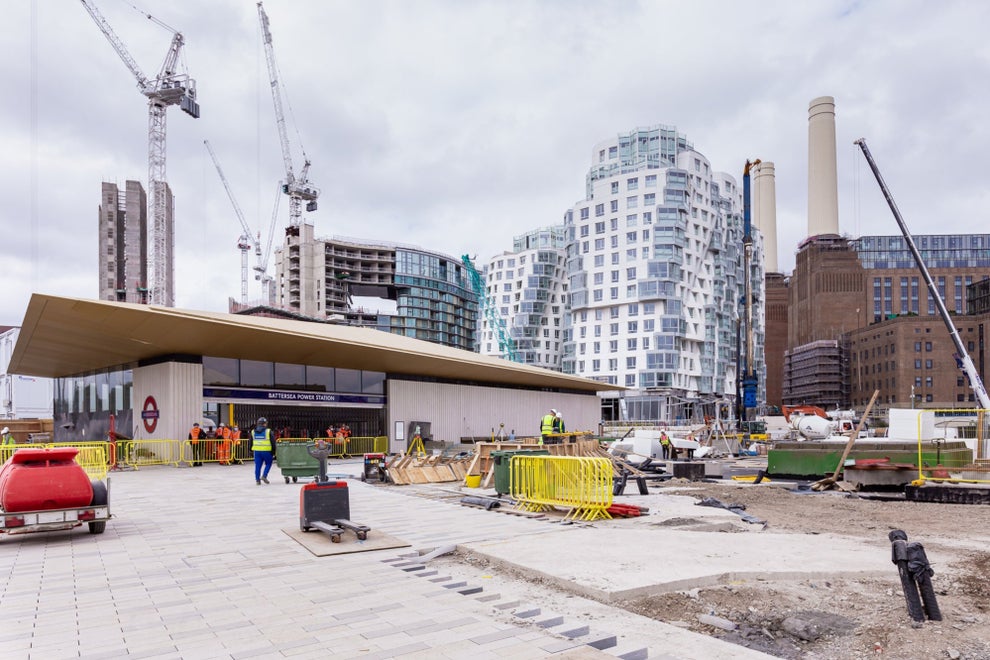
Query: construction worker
(235,437)
(195,435)
(664,445)
(263,447)
(223,444)
(547,425)
(8,437)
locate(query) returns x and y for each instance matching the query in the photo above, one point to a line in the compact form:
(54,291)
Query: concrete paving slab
(627,564)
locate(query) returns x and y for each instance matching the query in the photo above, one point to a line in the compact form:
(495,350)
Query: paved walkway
(195,564)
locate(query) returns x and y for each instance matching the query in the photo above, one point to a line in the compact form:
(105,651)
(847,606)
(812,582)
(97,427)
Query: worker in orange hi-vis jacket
(223,444)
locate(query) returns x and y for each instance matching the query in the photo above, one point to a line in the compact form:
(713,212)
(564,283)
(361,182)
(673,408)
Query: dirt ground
(843,618)
(839,618)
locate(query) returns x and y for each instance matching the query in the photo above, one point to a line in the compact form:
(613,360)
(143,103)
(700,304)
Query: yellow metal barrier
(142,453)
(94,457)
(584,485)
(359,446)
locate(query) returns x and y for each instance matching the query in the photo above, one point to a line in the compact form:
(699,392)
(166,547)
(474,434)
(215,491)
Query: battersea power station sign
(284,396)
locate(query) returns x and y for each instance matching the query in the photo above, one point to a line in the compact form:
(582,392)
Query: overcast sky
(457,125)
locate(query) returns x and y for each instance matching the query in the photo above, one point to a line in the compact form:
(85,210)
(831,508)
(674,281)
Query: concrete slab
(628,564)
(320,544)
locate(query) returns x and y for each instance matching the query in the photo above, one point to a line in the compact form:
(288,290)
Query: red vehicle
(44,490)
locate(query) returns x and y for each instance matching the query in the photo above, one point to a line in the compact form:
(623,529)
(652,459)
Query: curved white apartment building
(529,291)
(656,279)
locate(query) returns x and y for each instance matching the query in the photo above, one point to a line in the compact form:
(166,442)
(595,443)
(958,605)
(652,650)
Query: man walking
(261,445)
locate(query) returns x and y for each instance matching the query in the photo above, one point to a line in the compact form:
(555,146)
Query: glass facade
(435,300)
(937,251)
(84,404)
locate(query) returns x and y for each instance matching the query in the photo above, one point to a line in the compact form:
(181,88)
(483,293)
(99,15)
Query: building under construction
(123,243)
(401,289)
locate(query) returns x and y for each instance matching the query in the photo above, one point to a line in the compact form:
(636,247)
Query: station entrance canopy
(68,336)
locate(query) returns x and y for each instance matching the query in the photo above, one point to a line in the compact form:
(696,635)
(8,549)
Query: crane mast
(246,240)
(299,189)
(167,88)
(967,362)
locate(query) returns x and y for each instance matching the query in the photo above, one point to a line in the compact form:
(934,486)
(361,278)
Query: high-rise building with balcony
(657,282)
(402,289)
(528,289)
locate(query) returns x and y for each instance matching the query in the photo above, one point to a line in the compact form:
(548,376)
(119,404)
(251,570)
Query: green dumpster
(294,460)
(502,459)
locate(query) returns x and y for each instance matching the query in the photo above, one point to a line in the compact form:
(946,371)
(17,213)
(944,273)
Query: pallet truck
(324,504)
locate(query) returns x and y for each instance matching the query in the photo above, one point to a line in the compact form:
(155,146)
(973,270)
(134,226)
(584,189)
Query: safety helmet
(262,421)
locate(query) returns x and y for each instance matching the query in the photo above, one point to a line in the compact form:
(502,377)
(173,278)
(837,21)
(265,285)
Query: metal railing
(584,485)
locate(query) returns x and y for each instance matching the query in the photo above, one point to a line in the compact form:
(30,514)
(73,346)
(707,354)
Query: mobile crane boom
(967,362)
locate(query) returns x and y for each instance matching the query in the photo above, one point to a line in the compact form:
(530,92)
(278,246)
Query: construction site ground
(813,580)
(202,563)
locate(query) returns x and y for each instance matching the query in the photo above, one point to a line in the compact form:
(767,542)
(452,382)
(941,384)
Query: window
(600,244)
(613,346)
(631,362)
(599,260)
(632,184)
(584,231)
(651,180)
(599,210)
(631,273)
(614,224)
(632,326)
(584,213)
(917,364)
(928,347)
(917,347)
(614,206)
(632,202)
(630,237)
(631,344)
(615,187)
(649,199)
(600,227)
(631,220)
(928,364)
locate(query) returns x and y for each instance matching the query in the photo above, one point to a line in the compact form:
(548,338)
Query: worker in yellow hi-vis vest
(261,445)
(547,428)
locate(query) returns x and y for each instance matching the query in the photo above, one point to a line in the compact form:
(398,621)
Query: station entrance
(299,421)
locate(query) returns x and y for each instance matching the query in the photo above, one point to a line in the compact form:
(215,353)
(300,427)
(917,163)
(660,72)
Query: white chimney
(765,212)
(823,189)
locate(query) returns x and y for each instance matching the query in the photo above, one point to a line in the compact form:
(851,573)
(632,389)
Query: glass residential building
(400,289)
(529,291)
(656,279)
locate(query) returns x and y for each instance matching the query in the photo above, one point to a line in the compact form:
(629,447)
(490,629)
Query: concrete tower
(765,212)
(823,191)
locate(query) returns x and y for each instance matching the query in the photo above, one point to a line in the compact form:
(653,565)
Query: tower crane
(298,189)
(247,239)
(167,88)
